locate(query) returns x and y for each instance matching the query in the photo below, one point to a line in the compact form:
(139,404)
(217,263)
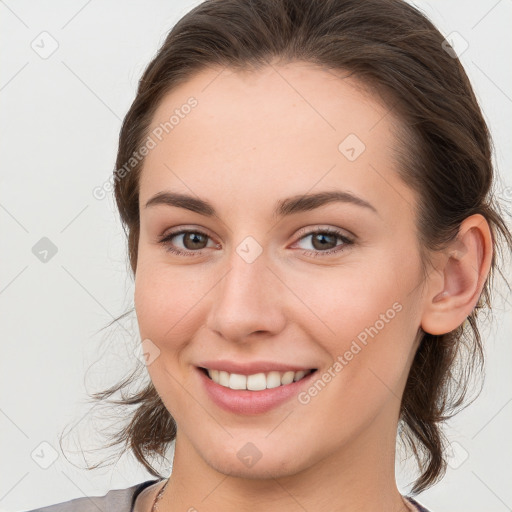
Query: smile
(256,381)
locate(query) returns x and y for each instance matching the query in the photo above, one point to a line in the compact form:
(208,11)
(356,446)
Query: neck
(360,477)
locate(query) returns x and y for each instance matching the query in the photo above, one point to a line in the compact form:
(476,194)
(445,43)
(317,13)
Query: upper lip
(251,368)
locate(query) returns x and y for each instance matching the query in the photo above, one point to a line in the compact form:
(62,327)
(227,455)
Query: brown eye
(321,241)
(186,242)
(326,241)
(194,240)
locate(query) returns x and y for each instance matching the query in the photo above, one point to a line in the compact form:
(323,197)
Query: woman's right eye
(190,238)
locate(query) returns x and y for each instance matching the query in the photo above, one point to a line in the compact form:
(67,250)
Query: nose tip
(246,302)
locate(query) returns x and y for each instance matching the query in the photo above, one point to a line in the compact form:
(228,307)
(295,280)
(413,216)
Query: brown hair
(392,47)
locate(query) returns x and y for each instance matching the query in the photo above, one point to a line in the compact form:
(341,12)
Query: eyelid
(309,230)
(186,228)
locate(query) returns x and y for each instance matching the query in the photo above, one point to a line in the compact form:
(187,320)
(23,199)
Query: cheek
(349,299)
(367,321)
(166,302)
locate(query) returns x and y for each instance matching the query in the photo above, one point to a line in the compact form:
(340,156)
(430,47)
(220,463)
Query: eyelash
(165,241)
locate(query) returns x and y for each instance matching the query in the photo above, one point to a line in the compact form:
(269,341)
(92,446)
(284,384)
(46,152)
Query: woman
(306,190)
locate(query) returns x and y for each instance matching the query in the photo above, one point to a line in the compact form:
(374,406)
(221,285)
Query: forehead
(253,136)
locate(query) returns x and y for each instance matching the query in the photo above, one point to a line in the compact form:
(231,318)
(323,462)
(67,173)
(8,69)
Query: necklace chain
(154,508)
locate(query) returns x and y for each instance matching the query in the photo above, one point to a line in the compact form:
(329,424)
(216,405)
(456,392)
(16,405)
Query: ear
(458,279)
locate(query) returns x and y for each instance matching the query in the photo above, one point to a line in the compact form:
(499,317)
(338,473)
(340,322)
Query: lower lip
(251,402)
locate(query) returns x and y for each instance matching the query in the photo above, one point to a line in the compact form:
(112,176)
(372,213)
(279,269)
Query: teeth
(257,381)
(299,375)
(223,379)
(287,378)
(273,380)
(237,381)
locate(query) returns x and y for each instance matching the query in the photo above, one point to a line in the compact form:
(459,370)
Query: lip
(251,402)
(252,367)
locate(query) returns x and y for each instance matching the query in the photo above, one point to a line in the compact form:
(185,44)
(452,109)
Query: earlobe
(461,274)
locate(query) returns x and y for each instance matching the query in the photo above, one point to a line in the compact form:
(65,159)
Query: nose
(248,301)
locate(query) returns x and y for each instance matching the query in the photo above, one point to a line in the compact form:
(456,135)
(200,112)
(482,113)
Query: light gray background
(60,122)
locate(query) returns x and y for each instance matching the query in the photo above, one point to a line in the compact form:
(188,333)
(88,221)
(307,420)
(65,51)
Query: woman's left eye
(324,242)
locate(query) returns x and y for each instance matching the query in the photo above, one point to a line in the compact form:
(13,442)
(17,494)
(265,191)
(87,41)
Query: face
(251,270)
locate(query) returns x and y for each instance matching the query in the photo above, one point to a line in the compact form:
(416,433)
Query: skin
(257,137)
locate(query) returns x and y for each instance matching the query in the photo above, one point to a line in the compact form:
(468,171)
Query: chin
(262,470)
(249,461)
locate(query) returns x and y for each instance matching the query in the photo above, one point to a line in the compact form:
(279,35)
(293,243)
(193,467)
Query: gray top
(123,500)
(118,500)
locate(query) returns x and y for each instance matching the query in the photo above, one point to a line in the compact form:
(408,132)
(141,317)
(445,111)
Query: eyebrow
(284,207)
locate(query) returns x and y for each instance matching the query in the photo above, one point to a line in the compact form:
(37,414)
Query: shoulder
(117,500)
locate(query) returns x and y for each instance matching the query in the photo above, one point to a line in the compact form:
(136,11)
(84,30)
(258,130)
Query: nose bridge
(244,301)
